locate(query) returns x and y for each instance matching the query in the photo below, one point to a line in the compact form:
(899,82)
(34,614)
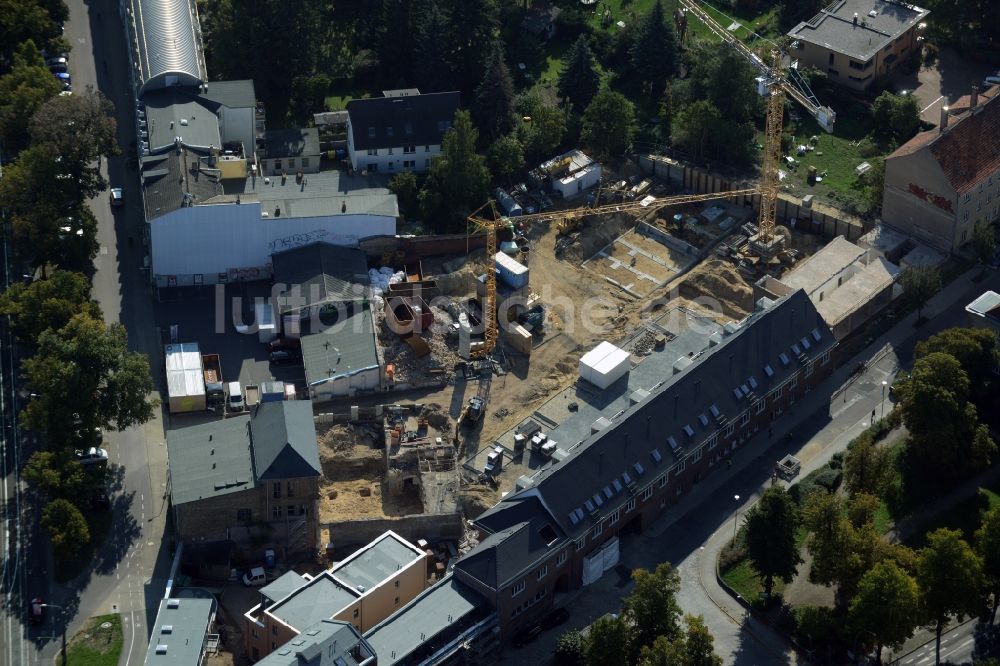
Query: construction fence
(816,218)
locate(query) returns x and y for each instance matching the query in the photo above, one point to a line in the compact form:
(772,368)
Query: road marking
(932,104)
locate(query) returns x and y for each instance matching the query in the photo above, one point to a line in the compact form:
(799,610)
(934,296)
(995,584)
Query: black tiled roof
(385,122)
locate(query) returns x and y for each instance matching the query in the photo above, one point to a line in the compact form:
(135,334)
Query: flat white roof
(185,374)
(604,357)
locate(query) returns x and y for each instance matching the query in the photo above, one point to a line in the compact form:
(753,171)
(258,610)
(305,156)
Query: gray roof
(376,563)
(384,122)
(171,114)
(283,436)
(291,142)
(432,612)
(281,587)
(181,628)
(326,643)
(237,94)
(319,599)
(834,27)
(210,459)
(165,184)
(986,305)
(345,347)
(675,406)
(169,44)
(320,273)
(330,192)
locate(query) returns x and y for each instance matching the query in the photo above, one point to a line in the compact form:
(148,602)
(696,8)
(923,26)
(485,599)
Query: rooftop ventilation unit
(167,629)
(173,603)
(161,649)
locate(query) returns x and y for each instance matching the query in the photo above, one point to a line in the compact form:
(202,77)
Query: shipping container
(604,365)
(185,378)
(512,272)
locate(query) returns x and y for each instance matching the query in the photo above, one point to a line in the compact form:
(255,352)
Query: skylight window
(655,455)
(590,506)
(608,493)
(769,371)
(745,389)
(737,392)
(805,343)
(816,334)
(639,469)
(784,358)
(617,485)
(626,478)
(572,517)
(598,500)
(714,409)
(673,443)
(796,350)
(689,431)
(703,419)
(753,382)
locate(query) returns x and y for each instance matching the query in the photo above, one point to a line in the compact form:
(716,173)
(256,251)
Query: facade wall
(919,201)
(380,602)
(342,385)
(238,125)
(391,160)
(273,166)
(651,498)
(852,73)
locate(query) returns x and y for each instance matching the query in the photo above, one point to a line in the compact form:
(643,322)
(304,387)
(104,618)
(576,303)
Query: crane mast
(765,243)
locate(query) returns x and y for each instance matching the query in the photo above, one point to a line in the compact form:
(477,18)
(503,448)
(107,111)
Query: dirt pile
(476,498)
(718,280)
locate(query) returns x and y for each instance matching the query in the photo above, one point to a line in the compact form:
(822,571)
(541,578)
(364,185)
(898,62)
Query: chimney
(944,118)
(974,97)
(855,18)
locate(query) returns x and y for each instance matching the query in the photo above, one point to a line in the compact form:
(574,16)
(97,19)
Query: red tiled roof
(969,149)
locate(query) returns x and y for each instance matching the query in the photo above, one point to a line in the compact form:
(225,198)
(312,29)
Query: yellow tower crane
(486,218)
(765,243)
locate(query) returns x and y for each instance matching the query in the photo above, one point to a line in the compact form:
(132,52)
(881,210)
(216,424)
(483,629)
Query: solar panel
(689,431)
(655,455)
(703,419)
(816,334)
(784,358)
(769,371)
(639,469)
(714,409)
(673,443)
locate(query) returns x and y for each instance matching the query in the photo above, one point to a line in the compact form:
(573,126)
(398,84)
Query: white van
(255,577)
(235,402)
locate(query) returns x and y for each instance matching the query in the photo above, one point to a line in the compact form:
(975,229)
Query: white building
(400,131)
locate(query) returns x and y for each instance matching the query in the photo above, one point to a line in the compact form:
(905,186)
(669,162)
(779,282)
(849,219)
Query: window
(794,381)
(276,512)
(713,442)
(305,162)
(277,165)
(614,517)
(409,149)
(580,543)
(832,72)
(427,149)
(274,646)
(408,128)
(389,166)
(390,152)
(831,59)
(397,584)
(778,391)
(389,131)
(254,633)
(681,466)
(598,529)
(427,164)
(809,369)
(745,418)
(291,162)
(371,132)
(516,590)
(965,199)
(965,217)
(662,481)
(276,489)
(630,505)
(696,456)
(274,629)
(729,429)
(562,557)
(356,613)
(647,493)
(290,489)
(199,278)
(373,152)
(543,572)
(825,358)
(396,601)
(860,66)
(760,405)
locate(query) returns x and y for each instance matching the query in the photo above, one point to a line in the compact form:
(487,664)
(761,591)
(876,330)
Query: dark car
(287,344)
(554,619)
(526,635)
(283,356)
(37,611)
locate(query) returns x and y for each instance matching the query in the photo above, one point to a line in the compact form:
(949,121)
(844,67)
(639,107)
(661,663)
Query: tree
(988,547)
(67,528)
(920,283)
(609,124)
(579,80)
(867,466)
(54,475)
(974,348)
(430,56)
(984,241)
(47,304)
(473,25)
(22,90)
(652,609)
(951,580)
(694,648)
(407,190)
(458,180)
(885,610)
(395,43)
(873,185)
(24,20)
(308,94)
(654,50)
(897,118)
(569,649)
(506,157)
(85,369)
(608,640)
(770,537)
(493,107)
(542,133)
(79,129)
(693,128)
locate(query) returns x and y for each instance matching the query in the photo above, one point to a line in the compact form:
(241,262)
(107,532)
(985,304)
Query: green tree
(770,537)
(493,106)
(693,128)
(885,610)
(974,348)
(430,57)
(395,43)
(920,283)
(696,647)
(472,26)
(22,90)
(867,466)
(506,157)
(609,124)
(654,50)
(47,304)
(984,241)
(23,20)
(988,547)
(873,185)
(651,609)
(54,475)
(579,80)
(951,580)
(896,118)
(67,528)
(86,369)
(542,133)
(407,190)
(569,649)
(458,180)
(308,94)
(608,640)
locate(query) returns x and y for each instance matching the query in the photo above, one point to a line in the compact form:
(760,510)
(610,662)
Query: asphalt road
(129,571)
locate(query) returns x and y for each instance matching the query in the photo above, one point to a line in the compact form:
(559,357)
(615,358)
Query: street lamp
(884,384)
(736,516)
(54,626)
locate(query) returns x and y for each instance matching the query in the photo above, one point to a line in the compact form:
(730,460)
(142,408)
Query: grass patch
(742,577)
(99,524)
(337,101)
(95,644)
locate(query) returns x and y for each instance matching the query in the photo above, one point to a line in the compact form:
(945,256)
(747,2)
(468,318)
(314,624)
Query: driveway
(950,77)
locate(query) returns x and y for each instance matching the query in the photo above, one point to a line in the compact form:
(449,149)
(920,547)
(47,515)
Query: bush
(829,478)
(732,554)
(569,649)
(930,53)
(816,625)
(837,461)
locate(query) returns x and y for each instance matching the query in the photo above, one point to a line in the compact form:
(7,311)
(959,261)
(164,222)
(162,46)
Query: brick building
(326,643)
(248,478)
(942,181)
(857,42)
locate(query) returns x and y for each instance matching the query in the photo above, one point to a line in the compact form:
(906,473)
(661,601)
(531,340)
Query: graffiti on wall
(931,198)
(297,240)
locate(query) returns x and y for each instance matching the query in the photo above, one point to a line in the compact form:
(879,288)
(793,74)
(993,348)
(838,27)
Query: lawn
(743,578)
(97,644)
(337,101)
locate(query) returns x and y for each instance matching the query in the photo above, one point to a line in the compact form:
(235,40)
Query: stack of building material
(604,365)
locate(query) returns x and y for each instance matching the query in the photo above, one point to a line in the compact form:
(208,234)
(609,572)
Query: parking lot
(943,82)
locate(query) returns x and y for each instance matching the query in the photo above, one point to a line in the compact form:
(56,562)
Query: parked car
(255,577)
(92,456)
(59,68)
(284,343)
(235,402)
(63,76)
(117,196)
(37,610)
(554,619)
(56,60)
(283,356)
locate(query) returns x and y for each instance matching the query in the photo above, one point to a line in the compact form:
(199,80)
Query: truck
(212,368)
